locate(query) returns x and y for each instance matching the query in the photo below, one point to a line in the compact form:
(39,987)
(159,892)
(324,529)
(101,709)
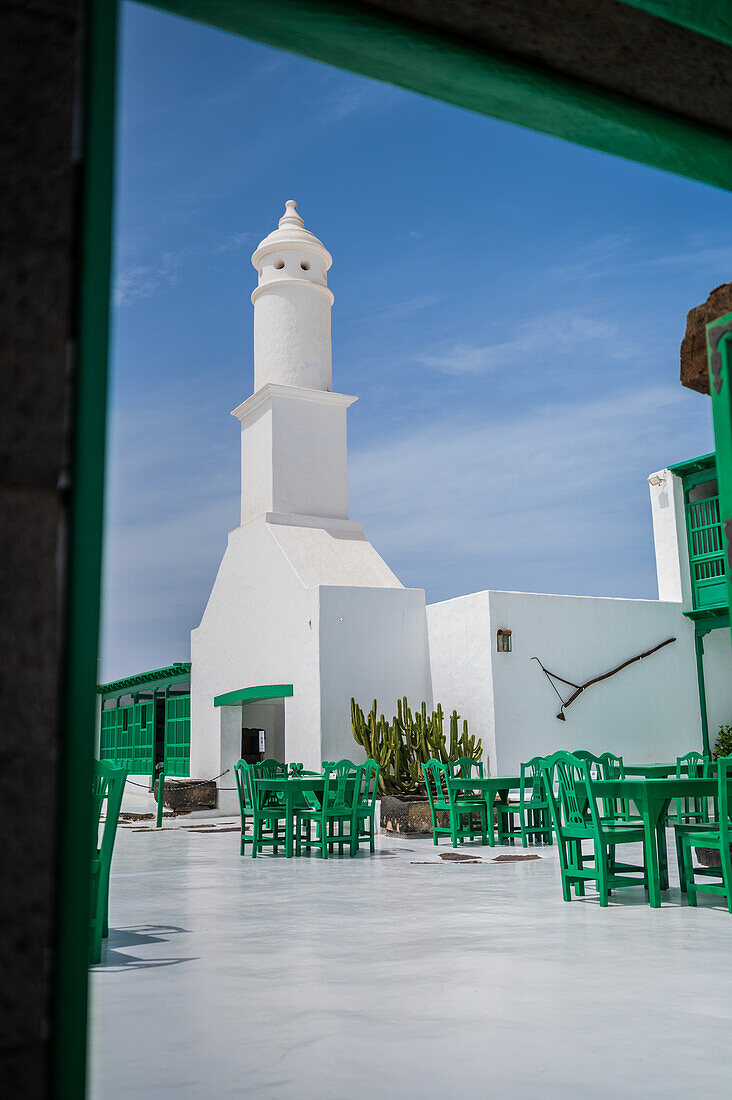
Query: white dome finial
(291,216)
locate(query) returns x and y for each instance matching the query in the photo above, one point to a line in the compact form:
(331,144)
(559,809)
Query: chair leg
(579,863)
(689,872)
(601,862)
(680,862)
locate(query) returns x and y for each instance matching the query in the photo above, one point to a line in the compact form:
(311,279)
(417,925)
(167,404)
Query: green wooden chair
(338,806)
(616,810)
(260,819)
(577,818)
(271,769)
(691,811)
(364,806)
(718,837)
(108,786)
(530,816)
(461,811)
(595,762)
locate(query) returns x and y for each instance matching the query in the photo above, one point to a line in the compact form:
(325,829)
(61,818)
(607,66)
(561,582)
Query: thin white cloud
(555,498)
(135,281)
(560,330)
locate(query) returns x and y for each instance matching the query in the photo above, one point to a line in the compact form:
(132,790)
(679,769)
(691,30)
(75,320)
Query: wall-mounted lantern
(503,640)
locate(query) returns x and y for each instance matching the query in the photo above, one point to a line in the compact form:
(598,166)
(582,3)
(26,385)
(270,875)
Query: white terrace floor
(388,977)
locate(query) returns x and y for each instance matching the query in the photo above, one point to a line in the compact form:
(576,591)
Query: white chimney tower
(294,462)
(303,613)
(292,307)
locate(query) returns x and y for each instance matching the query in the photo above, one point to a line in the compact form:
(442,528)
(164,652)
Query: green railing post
(719,350)
(161,794)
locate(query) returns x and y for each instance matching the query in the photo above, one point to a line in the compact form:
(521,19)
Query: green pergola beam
(710,17)
(158,677)
(365,41)
(252,694)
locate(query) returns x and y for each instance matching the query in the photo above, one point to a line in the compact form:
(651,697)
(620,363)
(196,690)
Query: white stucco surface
(398,976)
(649,711)
(280,613)
(294,457)
(670,538)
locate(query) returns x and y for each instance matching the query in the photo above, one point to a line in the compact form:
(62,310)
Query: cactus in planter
(401,746)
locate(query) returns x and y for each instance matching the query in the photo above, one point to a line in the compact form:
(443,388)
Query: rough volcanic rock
(694,369)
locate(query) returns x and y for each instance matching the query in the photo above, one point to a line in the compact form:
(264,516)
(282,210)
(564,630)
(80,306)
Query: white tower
(294,461)
(292,307)
(304,613)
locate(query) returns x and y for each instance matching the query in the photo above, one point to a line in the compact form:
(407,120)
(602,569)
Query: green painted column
(699,647)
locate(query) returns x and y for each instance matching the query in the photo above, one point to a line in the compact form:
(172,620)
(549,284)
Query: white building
(304,614)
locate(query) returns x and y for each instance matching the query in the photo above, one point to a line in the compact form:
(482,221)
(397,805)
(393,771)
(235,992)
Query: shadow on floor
(115,959)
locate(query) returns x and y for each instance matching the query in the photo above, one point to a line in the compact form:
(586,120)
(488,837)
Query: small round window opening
(305,265)
(279,264)
(503,641)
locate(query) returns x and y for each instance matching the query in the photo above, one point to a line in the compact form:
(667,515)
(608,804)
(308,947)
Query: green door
(178,735)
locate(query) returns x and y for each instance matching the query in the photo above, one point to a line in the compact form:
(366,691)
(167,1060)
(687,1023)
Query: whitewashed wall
(270,621)
(718,677)
(649,711)
(260,626)
(669,537)
(373,645)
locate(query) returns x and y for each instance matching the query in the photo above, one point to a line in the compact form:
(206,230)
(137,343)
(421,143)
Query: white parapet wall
(669,537)
(649,711)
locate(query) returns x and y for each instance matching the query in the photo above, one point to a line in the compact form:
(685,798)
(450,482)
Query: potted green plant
(400,747)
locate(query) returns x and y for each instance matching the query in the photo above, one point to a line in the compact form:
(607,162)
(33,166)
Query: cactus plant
(401,746)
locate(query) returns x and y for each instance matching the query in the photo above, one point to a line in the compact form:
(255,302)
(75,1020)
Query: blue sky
(508,307)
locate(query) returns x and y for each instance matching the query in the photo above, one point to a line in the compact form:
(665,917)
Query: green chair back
(270,769)
(594,761)
(612,766)
(341,786)
(569,804)
(532,782)
(108,785)
(243,774)
(368,785)
(435,777)
(692,765)
(465,767)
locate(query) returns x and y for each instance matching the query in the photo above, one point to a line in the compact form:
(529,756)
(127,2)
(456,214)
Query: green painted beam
(171,674)
(252,694)
(84,552)
(694,465)
(710,17)
(399,52)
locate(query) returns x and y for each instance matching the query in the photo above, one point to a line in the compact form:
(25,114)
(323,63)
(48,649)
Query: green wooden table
(293,789)
(492,786)
(651,797)
(649,771)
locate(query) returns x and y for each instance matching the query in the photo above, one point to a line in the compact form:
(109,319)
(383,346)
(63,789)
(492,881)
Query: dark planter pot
(409,816)
(183,795)
(710,857)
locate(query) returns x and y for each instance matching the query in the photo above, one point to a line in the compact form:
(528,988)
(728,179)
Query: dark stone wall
(694,367)
(38,88)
